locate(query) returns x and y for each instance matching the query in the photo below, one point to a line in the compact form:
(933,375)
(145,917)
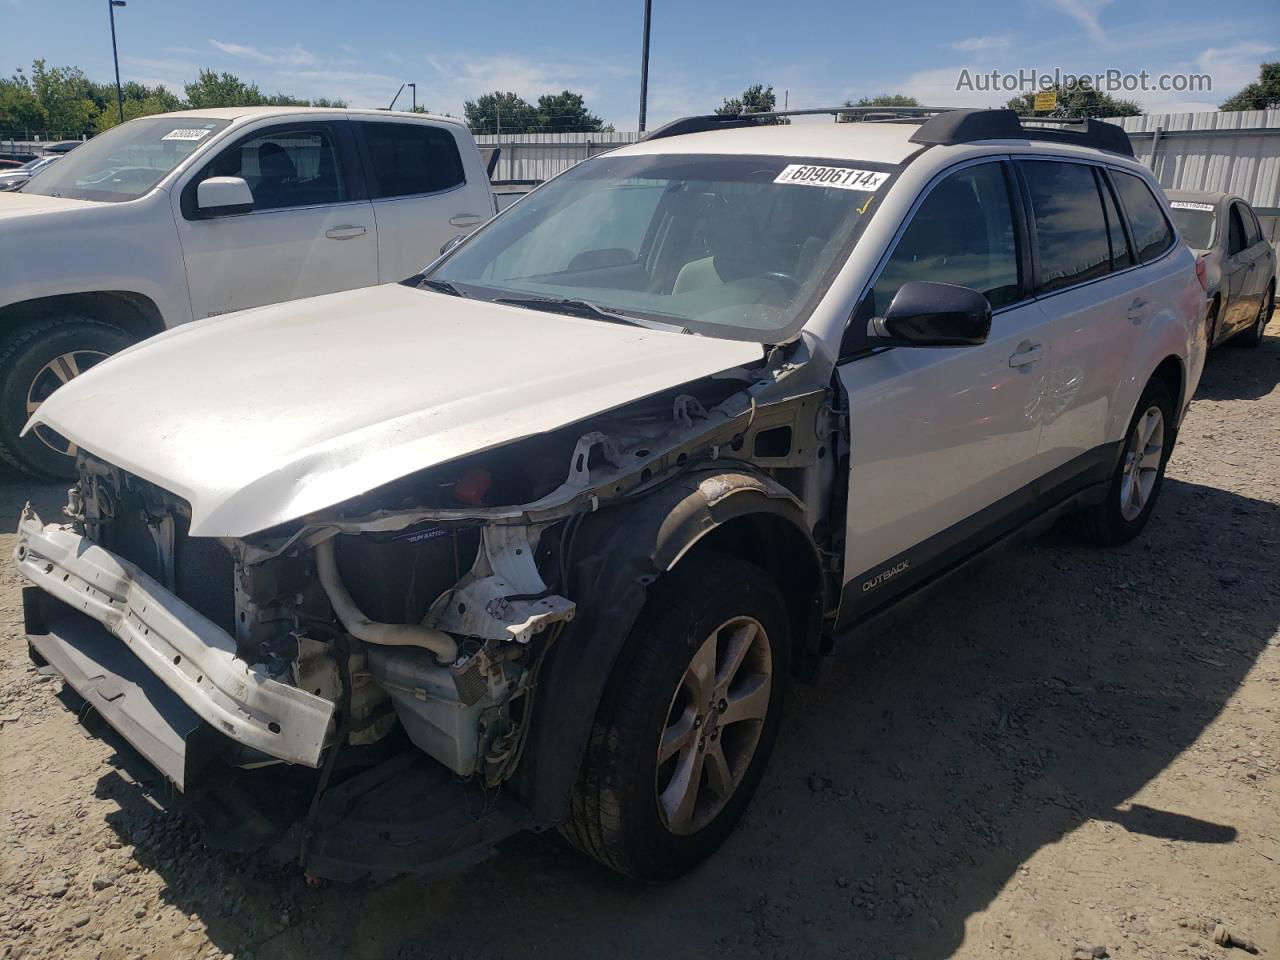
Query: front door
(943,440)
(306,235)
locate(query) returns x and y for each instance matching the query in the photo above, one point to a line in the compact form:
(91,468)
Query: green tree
(500,112)
(20,109)
(1263,94)
(1077,101)
(139,101)
(211,89)
(757,98)
(66,95)
(566,112)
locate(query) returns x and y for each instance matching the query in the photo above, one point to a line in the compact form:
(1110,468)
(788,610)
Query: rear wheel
(1254,336)
(1136,484)
(34,362)
(687,721)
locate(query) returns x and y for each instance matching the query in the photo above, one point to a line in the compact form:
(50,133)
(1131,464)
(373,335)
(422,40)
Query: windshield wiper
(440,286)
(577,307)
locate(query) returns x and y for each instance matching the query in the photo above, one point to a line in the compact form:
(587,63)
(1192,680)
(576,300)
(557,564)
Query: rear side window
(1235,232)
(1152,234)
(962,233)
(411,158)
(1253,233)
(1071,229)
(1121,256)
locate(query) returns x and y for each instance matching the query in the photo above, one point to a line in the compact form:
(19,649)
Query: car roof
(256,113)
(1200,196)
(886,142)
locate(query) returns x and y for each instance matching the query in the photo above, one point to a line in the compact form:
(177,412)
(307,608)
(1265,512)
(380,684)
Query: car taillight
(1200,274)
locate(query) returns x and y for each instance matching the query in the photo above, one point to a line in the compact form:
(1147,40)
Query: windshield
(731,246)
(126,161)
(1196,222)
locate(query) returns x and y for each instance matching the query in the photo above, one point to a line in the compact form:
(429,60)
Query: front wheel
(687,721)
(1136,484)
(35,361)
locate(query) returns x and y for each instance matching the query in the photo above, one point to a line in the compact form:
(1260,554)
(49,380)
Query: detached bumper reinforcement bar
(189,653)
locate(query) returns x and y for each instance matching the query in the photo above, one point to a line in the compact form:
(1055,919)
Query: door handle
(1028,352)
(465,219)
(348,231)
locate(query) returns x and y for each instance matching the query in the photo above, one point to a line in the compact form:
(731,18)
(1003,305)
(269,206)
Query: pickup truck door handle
(348,231)
(465,219)
(1137,310)
(1028,352)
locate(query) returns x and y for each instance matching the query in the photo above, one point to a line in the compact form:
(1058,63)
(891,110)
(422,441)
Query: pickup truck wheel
(1136,484)
(687,721)
(34,362)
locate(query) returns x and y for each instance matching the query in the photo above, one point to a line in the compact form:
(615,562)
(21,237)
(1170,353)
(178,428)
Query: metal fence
(540,156)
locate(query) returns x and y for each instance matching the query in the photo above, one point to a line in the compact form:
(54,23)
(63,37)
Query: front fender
(619,551)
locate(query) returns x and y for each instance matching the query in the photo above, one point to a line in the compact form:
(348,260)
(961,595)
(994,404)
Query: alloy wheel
(61,369)
(1142,457)
(713,725)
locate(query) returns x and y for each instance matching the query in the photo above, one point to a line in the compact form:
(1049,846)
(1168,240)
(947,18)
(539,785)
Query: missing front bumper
(164,640)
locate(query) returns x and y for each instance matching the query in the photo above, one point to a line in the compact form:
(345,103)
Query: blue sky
(821,51)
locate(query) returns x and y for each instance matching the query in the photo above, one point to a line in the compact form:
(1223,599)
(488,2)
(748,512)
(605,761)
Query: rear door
(1091,282)
(427,187)
(1238,270)
(943,440)
(1258,274)
(311,230)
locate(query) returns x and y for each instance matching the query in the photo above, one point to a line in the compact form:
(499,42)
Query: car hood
(263,416)
(26,204)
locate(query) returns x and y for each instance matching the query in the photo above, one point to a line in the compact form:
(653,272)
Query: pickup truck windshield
(741,247)
(126,161)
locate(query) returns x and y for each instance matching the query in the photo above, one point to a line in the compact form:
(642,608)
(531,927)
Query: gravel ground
(1073,752)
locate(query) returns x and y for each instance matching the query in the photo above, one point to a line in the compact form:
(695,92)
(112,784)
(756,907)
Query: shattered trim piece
(193,656)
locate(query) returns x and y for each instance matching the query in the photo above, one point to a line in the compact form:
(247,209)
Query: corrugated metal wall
(540,156)
(1236,151)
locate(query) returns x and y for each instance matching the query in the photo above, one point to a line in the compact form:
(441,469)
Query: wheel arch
(1171,373)
(619,552)
(134,313)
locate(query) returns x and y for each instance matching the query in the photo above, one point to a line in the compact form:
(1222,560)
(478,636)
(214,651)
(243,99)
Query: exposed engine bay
(431,604)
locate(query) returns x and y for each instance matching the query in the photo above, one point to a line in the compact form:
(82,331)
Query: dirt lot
(1074,749)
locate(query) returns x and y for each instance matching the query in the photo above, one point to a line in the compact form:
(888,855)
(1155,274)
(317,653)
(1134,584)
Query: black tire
(25,376)
(1106,524)
(1257,333)
(614,813)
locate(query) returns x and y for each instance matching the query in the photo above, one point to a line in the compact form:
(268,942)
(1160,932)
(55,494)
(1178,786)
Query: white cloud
(975,44)
(292,56)
(937,88)
(1233,67)
(1086,13)
(358,88)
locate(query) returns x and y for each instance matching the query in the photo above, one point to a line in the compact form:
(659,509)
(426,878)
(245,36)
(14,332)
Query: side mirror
(928,314)
(220,196)
(451,243)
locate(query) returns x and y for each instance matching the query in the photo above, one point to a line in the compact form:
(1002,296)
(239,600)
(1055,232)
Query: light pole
(414,88)
(644,66)
(111,8)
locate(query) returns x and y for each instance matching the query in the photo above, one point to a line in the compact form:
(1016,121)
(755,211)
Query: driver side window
(962,233)
(285,168)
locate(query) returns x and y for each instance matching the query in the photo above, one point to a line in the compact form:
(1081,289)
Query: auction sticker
(189,134)
(842,178)
(1188,205)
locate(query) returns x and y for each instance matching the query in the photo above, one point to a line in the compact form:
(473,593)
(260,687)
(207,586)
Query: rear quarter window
(411,158)
(1152,233)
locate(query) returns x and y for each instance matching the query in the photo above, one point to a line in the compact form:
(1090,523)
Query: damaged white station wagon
(538,537)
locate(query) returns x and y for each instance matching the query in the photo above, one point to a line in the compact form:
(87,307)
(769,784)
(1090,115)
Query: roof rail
(966,126)
(939,125)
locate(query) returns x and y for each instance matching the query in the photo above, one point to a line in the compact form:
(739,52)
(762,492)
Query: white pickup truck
(183,216)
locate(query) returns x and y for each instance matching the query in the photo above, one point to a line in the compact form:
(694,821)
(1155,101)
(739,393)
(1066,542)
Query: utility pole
(413,87)
(644,66)
(111,9)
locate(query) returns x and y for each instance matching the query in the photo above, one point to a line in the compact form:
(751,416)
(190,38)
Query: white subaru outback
(540,536)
